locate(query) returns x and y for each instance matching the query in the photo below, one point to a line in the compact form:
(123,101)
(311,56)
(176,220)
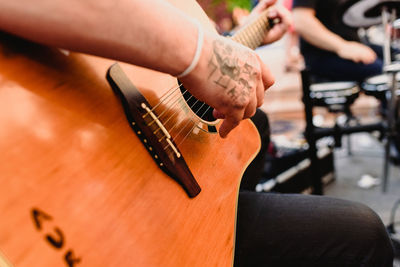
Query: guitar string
(191,107)
(173,90)
(166,95)
(194,125)
(158,117)
(191,129)
(166,109)
(172,115)
(186,124)
(175,102)
(251,26)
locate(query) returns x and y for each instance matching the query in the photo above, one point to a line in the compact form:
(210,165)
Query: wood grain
(68,151)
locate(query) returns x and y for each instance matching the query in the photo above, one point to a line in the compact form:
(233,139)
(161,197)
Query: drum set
(386,87)
(382,14)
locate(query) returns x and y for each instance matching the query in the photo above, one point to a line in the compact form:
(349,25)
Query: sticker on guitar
(54,237)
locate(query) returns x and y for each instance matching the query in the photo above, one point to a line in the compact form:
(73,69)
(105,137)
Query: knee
(373,237)
(372,69)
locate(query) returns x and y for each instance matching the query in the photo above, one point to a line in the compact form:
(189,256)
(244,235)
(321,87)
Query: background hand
(279,29)
(357,52)
(275,12)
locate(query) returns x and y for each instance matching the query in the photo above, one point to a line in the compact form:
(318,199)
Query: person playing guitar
(78,188)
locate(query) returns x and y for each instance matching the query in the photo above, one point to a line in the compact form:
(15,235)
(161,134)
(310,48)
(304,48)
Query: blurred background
(349,166)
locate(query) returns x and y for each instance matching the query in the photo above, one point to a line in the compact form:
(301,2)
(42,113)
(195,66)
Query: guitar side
(79,188)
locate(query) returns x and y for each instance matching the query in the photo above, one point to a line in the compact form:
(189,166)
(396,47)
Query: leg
(303,230)
(330,66)
(253,173)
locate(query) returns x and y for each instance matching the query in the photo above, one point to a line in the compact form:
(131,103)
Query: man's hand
(356,52)
(230,78)
(279,29)
(274,12)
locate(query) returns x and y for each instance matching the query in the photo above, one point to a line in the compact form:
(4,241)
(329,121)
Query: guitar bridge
(146,124)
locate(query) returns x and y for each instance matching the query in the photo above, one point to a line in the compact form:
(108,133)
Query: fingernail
(272,13)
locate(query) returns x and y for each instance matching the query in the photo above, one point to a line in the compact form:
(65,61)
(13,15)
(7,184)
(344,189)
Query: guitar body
(78,188)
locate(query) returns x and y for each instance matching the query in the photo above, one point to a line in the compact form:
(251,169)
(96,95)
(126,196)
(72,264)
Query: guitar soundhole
(201,109)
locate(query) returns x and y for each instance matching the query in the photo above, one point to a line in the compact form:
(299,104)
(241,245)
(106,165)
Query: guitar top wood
(78,188)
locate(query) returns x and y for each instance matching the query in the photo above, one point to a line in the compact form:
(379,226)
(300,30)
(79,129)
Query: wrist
(197,52)
(340,46)
(200,70)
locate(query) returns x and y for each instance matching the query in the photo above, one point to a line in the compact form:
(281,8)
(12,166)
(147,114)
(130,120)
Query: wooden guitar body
(78,188)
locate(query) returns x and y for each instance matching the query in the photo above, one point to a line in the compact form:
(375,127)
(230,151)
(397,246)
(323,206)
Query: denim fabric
(303,230)
(253,173)
(329,66)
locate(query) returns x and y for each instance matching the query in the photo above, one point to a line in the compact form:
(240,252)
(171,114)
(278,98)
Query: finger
(273,13)
(230,122)
(260,93)
(367,58)
(285,16)
(268,3)
(275,33)
(251,108)
(264,5)
(266,75)
(218,115)
(369,61)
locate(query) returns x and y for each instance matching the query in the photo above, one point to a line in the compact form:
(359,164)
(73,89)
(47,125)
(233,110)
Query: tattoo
(248,69)
(213,66)
(228,65)
(232,93)
(225,68)
(245,84)
(223,81)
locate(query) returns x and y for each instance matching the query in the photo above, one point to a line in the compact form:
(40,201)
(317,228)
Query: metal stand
(391,130)
(391,69)
(313,134)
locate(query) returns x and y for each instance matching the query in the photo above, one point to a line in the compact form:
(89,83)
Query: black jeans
(253,173)
(328,66)
(303,230)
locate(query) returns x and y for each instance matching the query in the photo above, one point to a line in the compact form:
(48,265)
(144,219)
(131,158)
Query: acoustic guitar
(80,186)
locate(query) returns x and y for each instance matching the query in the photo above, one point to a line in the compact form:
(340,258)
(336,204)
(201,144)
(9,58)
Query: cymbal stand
(392,69)
(391,130)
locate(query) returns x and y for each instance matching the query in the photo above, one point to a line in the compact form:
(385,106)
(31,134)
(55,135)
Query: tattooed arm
(228,77)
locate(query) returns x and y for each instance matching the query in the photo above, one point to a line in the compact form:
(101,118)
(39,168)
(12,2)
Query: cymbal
(366,13)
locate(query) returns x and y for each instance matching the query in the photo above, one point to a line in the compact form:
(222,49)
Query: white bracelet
(200,41)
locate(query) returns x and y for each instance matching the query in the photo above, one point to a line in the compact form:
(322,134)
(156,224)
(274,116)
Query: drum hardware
(385,87)
(367,13)
(372,9)
(337,96)
(391,118)
(313,133)
(378,86)
(396,33)
(391,69)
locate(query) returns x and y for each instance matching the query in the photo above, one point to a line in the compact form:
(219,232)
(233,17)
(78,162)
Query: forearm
(228,76)
(314,32)
(134,31)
